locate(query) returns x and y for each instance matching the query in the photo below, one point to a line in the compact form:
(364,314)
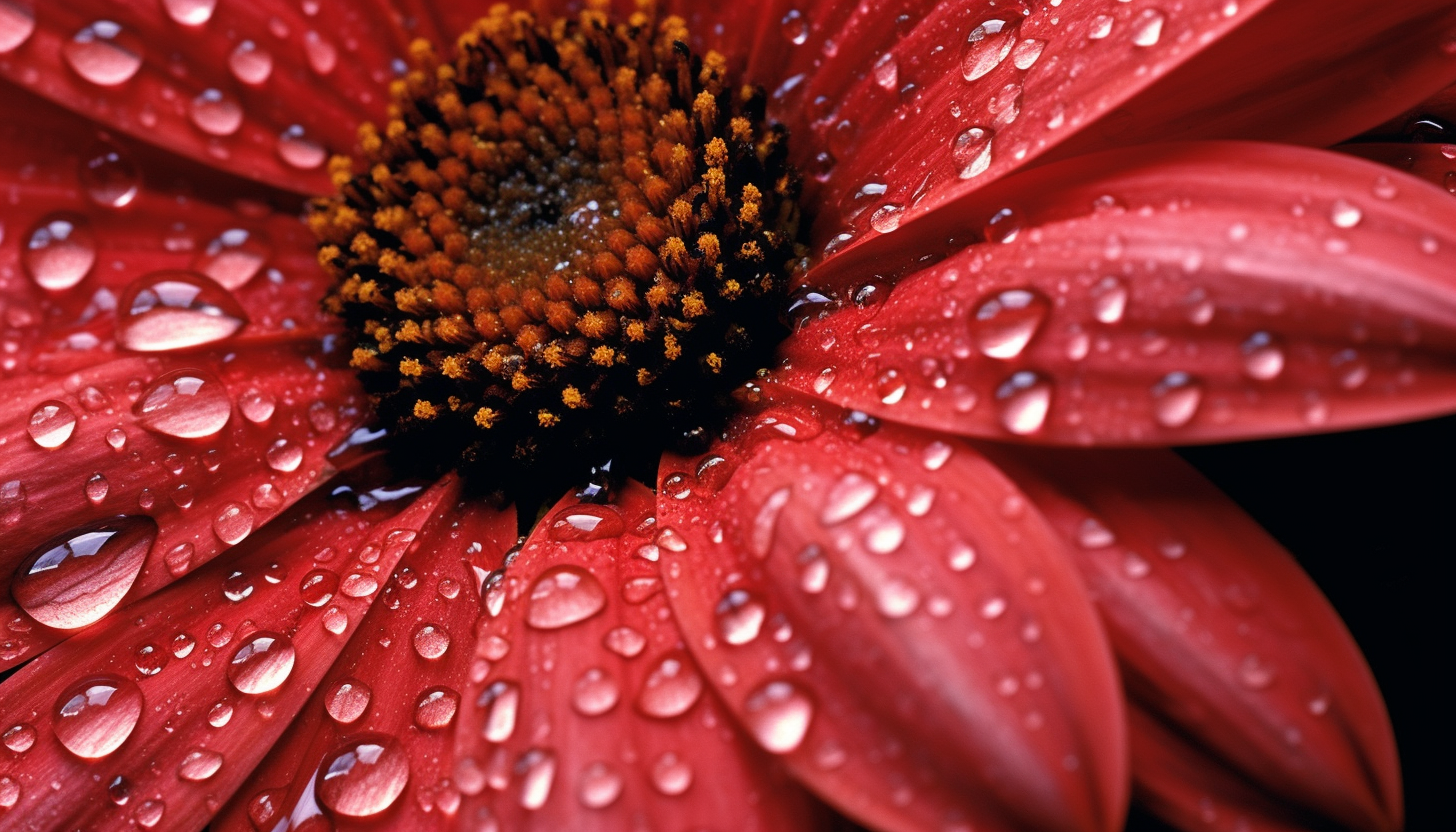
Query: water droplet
(233,257)
(431,641)
(51,424)
(537,768)
(261,663)
(987,46)
(993,608)
(886,218)
(671,687)
(501,701)
(1147,27)
(562,596)
(1026,53)
(1175,399)
(1024,400)
(347,700)
(299,151)
(890,386)
(1004,323)
(318,586)
(104,53)
(896,598)
(1101,27)
(71,581)
(250,63)
(199,764)
(740,617)
(109,177)
(1092,534)
(149,813)
(1263,356)
(595,693)
(9,789)
(849,496)
(216,113)
(624,641)
(187,404)
(960,557)
(778,714)
(17,24)
(190,12)
(19,738)
(172,310)
(59,251)
(233,524)
(599,786)
(585,522)
(971,151)
(671,775)
(1109,300)
(364,776)
(794,27)
(1254,673)
(436,708)
(149,659)
(1351,371)
(1344,214)
(95,716)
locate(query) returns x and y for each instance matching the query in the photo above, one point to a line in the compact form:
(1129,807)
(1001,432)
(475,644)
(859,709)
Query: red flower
(889,586)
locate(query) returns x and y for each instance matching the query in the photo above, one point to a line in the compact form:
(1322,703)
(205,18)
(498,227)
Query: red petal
(1184,786)
(396,686)
(922,110)
(888,613)
(328,73)
(203,684)
(591,716)
(96,444)
(1432,162)
(1219,631)
(1184,293)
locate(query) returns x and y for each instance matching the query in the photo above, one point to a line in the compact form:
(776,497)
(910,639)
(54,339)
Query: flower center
(566,247)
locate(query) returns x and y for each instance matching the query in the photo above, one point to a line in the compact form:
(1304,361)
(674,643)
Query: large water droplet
(233,523)
(849,496)
(261,663)
(436,708)
(187,404)
(740,617)
(971,151)
(599,786)
(17,23)
(501,700)
(59,251)
(104,53)
(51,424)
(562,596)
(347,700)
(199,764)
(216,113)
(1175,399)
(1004,323)
(71,581)
(595,692)
(1147,27)
(190,12)
(174,310)
(95,716)
(585,522)
(250,63)
(671,774)
(233,257)
(1024,400)
(364,776)
(298,150)
(537,768)
(431,641)
(986,47)
(778,714)
(671,687)
(1263,356)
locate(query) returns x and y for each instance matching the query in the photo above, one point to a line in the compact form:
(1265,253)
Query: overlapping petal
(261,89)
(376,741)
(1219,633)
(1179,293)
(592,716)
(887,612)
(183,694)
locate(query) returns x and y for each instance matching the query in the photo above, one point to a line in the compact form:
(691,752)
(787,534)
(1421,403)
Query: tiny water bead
(583,263)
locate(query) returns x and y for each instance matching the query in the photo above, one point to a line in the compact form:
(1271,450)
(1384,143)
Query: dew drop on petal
(298,150)
(1263,356)
(172,310)
(19,738)
(794,27)
(896,598)
(778,714)
(233,257)
(595,692)
(886,218)
(59,251)
(671,775)
(740,616)
(1175,399)
(109,176)
(562,596)
(987,46)
(1109,300)
(500,700)
(261,663)
(1024,400)
(1147,27)
(95,716)
(51,424)
(364,776)
(190,12)
(599,786)
(104,53)
(233,524)
(9,789)
(849,496)
(17,23)
(431,641)
(187,404)
(436,708)
(671,687)
(199,764)
(971,151)
(347,700)
(318,586)
(1004,323)
(537,770)
(71,581)
(216,113)
(1345,214)
(624,641)
(250,63)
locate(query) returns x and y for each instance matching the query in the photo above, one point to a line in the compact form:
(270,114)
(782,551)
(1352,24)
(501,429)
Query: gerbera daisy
(427,414)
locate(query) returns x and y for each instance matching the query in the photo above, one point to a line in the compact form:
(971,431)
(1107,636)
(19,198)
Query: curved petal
(396,686)
(1218,630)
(887,612)
(1172,294)
(206,448)
(590,715)
(261,89)
(923,111)
(162,712)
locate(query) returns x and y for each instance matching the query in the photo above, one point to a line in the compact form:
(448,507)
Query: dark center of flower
(567,246)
